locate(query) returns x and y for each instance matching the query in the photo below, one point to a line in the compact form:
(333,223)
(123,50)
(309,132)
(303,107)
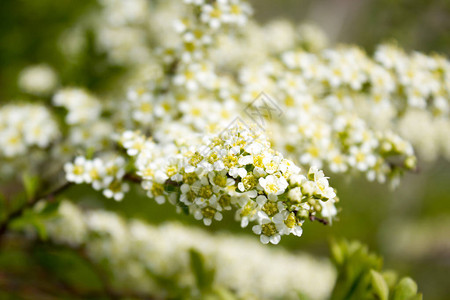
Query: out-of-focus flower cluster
(235,170)
(429,135)
(392,78)
(38,80)
(102,174)
(138,254)
(87,129)
(25,126)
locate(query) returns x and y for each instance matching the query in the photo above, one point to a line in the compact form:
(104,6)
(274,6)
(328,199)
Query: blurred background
(409,226)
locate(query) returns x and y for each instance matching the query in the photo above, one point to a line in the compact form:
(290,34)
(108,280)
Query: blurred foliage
(360,276)
(30,33)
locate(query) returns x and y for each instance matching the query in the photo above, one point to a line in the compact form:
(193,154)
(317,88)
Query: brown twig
(320,220)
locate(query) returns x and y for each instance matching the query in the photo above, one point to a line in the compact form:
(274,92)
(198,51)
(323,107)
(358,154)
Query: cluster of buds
(235,170)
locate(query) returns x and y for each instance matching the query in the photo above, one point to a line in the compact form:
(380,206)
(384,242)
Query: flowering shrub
(212,116)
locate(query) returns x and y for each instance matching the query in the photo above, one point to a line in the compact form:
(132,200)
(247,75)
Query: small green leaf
(30,184)
(203,275)
(405,289)
(337,252)
(380,287)
(50,209)
(40,228)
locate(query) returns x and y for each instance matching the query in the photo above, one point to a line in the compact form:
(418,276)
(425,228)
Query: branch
(18,213)
(320,220)
(136,179)
(132,177)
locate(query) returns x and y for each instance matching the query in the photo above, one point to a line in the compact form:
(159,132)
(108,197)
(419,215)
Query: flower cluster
(25,126)
(87,128)
(348,144)
(222,12)
(429,135)
(235,170)
(309,88)
(391,78)
(38,80)
(82,107)
(131,250)
(102,174)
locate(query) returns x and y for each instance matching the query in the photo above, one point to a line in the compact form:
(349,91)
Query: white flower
(287,223)
(295,194)
(268,232)
(12,143)
(82,106)
(235,172)
(94,173)
(271,163)
(361,158)
(328,208)
(76,172)
(116,190)
(273,185)
(337,162)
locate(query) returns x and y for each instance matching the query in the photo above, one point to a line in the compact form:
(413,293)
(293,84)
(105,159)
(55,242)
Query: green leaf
(50,209)
(353,263)
(40,228)
(405,289)
(31,184)
(380,287)
(204,276)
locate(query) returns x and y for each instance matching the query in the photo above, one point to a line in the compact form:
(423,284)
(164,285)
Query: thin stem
(320,220)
